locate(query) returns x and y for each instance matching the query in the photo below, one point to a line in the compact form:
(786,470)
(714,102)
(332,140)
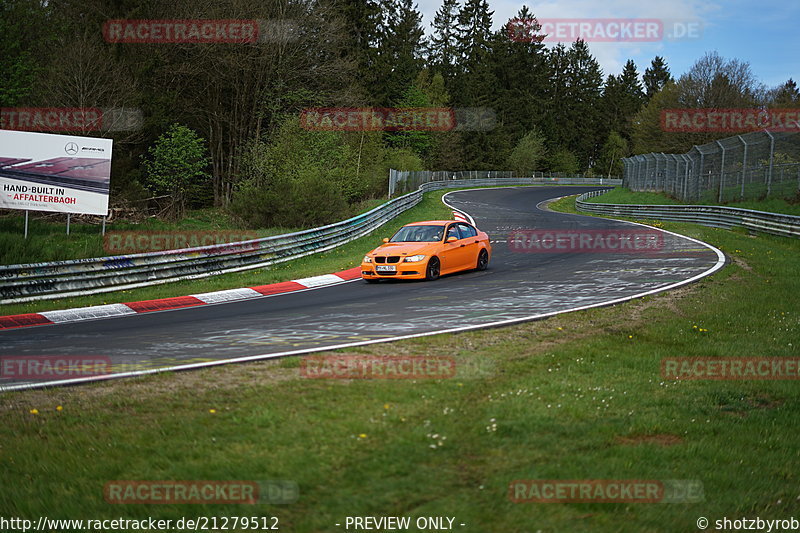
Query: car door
(451,255)
(470,245)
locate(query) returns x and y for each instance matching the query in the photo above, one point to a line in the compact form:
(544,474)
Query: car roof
(432,222)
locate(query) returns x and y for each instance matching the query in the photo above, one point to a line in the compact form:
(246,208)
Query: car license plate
(385,268)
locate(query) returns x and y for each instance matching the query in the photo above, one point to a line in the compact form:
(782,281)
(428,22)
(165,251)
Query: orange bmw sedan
(426,250)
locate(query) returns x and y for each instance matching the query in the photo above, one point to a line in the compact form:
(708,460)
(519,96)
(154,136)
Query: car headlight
(367,259)
(413,258)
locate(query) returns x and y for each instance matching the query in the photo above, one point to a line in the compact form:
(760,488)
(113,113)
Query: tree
(443,48)
(714,82)
(622,99)
(399,50)
(785,95)
(474,34)
(583,105)
(176,166)
(528,153)
(521,74)
(564,161)
(656,76)
(417,141)
(610,162)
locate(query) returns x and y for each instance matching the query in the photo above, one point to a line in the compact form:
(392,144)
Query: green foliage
(177,166)
(302,178)
(528,153)
(564,161)
(402,159)
(418,141)
(610,162)
(656,76)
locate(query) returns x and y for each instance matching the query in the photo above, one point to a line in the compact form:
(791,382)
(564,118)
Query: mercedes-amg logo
(71,148)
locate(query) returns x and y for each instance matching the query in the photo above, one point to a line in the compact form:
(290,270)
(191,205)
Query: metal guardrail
(401,181)
(707,215)
(41,281)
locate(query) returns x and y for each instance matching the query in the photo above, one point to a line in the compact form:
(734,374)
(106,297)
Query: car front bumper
(402,271)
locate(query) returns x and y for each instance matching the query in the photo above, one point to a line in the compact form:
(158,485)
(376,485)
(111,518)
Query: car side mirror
(386,239)
(452,238)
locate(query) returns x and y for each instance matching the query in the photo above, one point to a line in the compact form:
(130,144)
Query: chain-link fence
(750,166)
(403,181)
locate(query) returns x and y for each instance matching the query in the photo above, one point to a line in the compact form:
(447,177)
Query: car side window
(467,231)
(452,231)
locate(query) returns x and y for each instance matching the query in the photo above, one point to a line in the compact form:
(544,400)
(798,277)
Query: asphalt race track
(517,286)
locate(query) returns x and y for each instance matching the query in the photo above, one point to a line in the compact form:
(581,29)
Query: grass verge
(578,396)
(620,195)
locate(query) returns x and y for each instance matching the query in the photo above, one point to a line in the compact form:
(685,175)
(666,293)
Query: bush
(528,154)
(176,166)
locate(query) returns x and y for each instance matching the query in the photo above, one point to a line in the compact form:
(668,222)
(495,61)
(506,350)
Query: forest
(220,122)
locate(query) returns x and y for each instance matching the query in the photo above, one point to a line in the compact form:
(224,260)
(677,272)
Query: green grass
(47,239)
(578,396)
(620,195)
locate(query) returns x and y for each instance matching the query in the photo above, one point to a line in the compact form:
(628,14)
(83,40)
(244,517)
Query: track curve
(516,287)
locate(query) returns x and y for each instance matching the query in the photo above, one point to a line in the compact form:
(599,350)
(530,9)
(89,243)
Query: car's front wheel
(483,260)
(433,269)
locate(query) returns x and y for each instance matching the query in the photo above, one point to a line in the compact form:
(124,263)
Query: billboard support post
(68,214)
(26,223)
(103,230)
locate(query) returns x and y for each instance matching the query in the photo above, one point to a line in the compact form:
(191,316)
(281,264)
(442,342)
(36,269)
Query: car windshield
(418,234)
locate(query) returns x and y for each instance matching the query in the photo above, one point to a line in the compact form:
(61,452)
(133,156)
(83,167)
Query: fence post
(721,172)
(771,155)
(686,161)
(744,166)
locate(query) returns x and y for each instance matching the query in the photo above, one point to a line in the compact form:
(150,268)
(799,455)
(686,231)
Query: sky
(763,33)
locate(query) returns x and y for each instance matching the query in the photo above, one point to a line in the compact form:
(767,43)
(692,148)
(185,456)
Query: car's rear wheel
(483,260)
(433,269)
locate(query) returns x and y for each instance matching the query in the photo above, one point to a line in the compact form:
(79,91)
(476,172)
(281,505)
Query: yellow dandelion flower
(212,411)
(34,411)
(59,408)
(386,406)
(362,436)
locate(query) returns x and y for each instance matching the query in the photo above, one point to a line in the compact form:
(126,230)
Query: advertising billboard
(62,173)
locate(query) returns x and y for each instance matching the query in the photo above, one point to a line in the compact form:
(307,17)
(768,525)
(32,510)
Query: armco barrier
(40,281)
(707,215)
